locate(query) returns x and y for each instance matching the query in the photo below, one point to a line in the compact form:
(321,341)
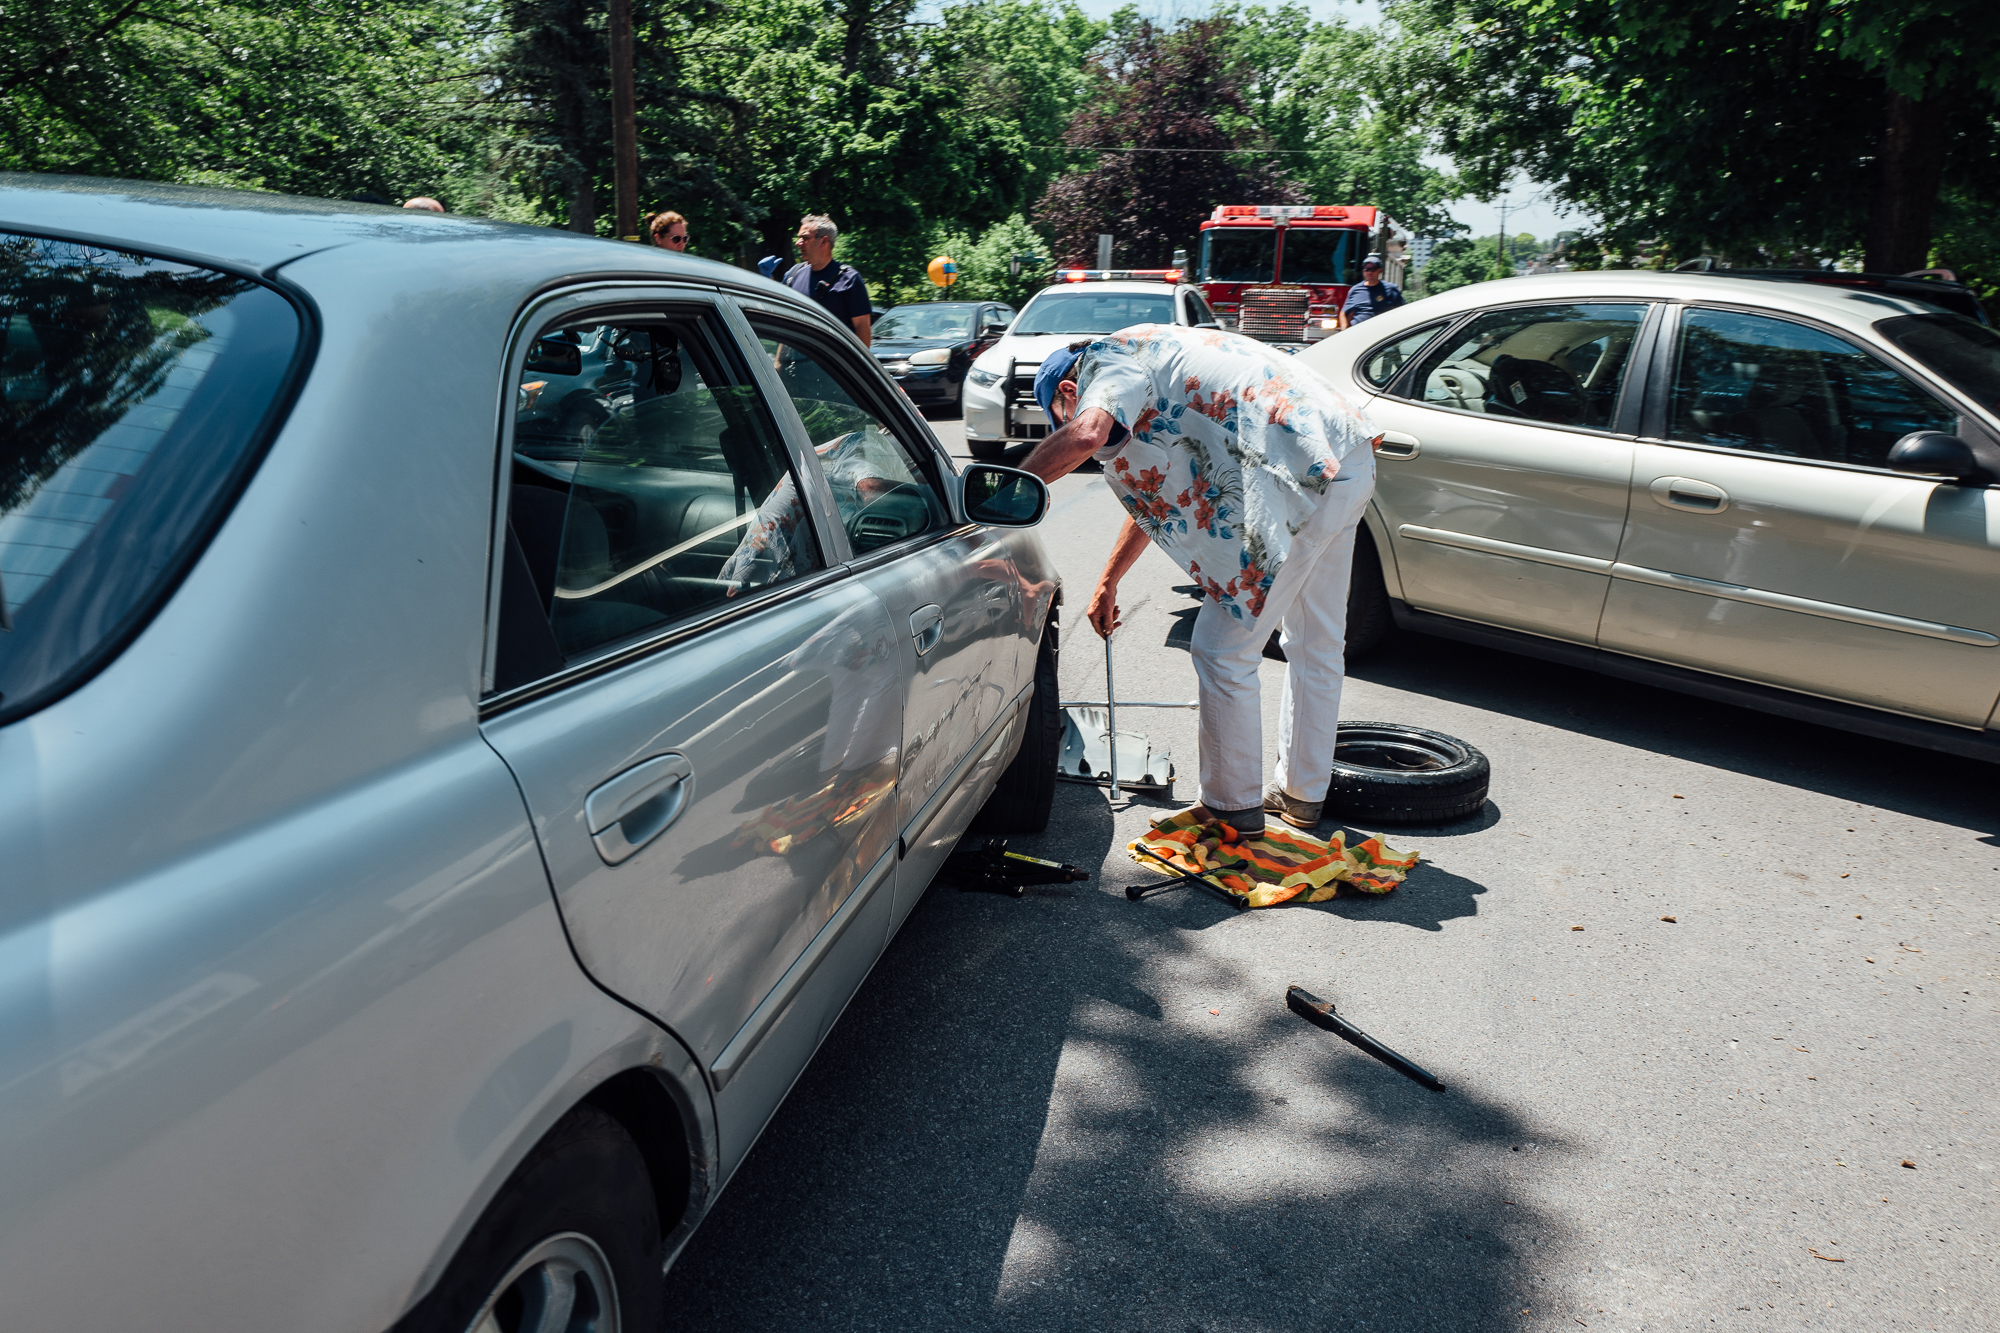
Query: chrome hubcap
(562,1285)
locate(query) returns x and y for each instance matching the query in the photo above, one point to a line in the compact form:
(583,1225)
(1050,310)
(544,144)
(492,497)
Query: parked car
(1000,407)
(1774,493)
(929,345)
(428,862)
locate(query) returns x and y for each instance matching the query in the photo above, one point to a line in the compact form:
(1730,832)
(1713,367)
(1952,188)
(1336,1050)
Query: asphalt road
(1075,1112)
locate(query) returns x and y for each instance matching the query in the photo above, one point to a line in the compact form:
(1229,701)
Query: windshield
(1322,255)
(132,391)
(1242,254)
(1965,354)
(939,320)
(1074,311)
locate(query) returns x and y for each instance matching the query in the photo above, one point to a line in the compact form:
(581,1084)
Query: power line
(1261,152)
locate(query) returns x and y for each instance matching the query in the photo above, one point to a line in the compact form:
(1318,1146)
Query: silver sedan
(474,704)
(1774,492)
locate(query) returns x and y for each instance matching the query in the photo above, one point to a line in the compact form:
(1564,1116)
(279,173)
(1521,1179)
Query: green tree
(1767,130)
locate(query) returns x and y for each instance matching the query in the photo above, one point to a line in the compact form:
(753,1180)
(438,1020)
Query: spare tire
(1387,773)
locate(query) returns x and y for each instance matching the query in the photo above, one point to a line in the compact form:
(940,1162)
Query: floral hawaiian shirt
(1232,445)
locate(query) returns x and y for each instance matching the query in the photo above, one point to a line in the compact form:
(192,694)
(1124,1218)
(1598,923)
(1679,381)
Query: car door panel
(1766,541)
(1499,518)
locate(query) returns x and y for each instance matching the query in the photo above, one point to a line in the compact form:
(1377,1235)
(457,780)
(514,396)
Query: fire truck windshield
(1238,254)
(1322,256)
(1080,310)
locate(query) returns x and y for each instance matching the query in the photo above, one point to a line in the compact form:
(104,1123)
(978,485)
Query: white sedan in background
(1000,407)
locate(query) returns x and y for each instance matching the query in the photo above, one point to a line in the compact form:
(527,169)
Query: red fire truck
(1280,271)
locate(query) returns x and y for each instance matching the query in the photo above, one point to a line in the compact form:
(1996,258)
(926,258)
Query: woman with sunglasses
(669,231)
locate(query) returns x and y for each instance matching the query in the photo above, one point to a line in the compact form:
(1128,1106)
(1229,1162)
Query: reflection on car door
(707,723)
(1768,541)
(952,591)
(1501,473)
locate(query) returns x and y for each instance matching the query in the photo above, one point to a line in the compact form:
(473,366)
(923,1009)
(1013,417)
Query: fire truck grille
(1275,314)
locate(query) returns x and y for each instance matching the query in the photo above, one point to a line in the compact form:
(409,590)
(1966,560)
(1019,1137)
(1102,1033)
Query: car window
(1202,314)
(1083,310)
(1559,364)
(933,319)
(1755,382)
(1383,363)
(1964,353)
(1238,254)
(133,394)
(883,493)
(1323,255)
(649,483)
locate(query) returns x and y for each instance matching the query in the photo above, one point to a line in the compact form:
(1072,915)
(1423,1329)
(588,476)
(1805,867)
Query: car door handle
(636,807)
(1395,444)
(927,627)
(1687,493)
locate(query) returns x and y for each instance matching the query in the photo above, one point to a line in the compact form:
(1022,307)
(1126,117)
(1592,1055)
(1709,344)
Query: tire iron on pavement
(1320,1013)
(991,868)
(1134,892)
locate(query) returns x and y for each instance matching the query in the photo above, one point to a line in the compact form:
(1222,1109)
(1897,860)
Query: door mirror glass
(992,330)
(1004,497)
(554,356)
(1932,453)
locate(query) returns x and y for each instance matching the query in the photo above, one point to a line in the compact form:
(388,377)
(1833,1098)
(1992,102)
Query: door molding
(1488,546)
(1853,615)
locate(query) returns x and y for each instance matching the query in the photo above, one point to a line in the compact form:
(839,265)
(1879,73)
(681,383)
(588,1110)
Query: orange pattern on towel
(1276,865)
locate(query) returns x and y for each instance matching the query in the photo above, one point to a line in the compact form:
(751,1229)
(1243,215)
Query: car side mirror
(550,356)
(1932,453)
(992,330)
(1005,497)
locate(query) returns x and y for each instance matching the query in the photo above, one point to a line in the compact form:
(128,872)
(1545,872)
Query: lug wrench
(1134,892)
(1320,1013)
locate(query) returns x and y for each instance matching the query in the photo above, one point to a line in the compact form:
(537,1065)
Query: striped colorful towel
(1277,865)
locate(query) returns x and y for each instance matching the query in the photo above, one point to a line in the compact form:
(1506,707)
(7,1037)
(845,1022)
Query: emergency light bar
(1117,274)
(1236,212)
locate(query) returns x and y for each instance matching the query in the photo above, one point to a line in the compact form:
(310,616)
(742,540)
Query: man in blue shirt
(837,288)
(1369,297)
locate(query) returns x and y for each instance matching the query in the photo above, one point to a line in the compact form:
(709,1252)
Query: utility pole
(624,122)
(1503,235)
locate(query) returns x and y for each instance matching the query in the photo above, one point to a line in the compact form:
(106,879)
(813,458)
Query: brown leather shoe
(1299,814)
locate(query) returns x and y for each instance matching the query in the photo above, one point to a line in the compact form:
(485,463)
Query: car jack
(991,868)
(1096,752)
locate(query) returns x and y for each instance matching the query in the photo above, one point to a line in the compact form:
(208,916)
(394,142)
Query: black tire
(1369,619)
(1386,773)
(1022,798)
(986,451)
(585,1178)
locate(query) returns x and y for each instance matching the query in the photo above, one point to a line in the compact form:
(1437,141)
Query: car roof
(1113,285)
(415,252)
(1853,307)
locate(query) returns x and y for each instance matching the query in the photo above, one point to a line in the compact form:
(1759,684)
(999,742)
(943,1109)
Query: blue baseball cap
(1054,371)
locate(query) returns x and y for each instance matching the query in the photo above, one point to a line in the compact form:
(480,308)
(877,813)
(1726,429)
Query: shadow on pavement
(1029,1120)
(1835,763)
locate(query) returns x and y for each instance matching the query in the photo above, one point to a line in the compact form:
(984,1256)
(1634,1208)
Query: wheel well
(639,1101)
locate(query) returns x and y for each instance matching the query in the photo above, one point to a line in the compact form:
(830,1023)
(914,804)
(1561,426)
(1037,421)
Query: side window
(1753,382)
(1383,363)
(649,483)
(1198,311)
(883,493)
(1560,364)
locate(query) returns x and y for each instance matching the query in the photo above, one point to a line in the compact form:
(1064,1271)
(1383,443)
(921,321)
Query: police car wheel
(1388,773)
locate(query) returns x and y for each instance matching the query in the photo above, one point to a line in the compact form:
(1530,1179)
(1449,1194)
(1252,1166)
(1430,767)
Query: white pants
(1308,602)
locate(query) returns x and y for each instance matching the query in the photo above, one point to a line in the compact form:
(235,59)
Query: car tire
(1369,618)
(576,1218)
(1387,773)
(1021,800)
(986,451)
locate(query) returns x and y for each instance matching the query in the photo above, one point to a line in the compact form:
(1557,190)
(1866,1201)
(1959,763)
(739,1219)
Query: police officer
(1369,297)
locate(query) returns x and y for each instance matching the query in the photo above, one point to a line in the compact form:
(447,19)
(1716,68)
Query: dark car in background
(929,345)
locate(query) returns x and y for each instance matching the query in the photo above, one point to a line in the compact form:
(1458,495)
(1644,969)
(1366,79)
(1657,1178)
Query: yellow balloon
(943,270)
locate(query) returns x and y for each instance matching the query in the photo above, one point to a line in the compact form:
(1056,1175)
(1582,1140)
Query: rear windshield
(1963,353)
(1087,311)
(131,393)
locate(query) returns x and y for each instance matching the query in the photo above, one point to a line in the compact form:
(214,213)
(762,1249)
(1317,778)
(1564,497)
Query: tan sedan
(1771,492)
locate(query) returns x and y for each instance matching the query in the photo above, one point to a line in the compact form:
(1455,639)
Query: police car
(1000,407)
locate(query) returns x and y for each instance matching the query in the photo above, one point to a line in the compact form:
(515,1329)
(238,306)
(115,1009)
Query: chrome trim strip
(1488,546)
(1853,615)
(921,821)
(756,1027)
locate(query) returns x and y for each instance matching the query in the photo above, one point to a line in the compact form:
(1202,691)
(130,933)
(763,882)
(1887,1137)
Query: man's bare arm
(1125,551)
(1064,451)
(864,329)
